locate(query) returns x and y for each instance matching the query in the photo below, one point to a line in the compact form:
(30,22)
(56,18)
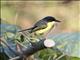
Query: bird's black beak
(57,21)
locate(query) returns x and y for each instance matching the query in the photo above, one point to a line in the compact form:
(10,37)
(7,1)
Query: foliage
(49,53)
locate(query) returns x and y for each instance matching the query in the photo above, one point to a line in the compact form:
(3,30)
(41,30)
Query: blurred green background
(26,13)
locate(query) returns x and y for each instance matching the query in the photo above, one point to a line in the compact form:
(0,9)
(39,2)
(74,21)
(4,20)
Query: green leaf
(68,43)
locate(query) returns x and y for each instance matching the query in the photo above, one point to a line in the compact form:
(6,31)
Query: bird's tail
(30,30)
(23,30)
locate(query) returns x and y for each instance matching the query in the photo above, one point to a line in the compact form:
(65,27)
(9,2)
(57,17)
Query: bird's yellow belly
(49,26)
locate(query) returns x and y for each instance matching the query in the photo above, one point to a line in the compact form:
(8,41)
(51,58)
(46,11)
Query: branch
(4,42)
(42,44)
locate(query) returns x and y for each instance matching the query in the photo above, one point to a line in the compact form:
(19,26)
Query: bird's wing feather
(40,25)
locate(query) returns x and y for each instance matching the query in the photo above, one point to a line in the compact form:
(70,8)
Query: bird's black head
(50,19)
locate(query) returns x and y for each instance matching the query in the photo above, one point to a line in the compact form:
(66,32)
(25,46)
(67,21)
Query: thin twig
(60,57)
(15,58)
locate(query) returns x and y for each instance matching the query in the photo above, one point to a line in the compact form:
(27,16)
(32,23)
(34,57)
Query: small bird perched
(43,25)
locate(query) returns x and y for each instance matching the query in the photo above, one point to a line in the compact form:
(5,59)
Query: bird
(42,26)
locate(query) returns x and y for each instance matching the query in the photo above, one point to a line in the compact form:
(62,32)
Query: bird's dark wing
(39,25)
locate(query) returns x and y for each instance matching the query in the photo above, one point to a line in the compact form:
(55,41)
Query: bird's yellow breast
(49,26)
